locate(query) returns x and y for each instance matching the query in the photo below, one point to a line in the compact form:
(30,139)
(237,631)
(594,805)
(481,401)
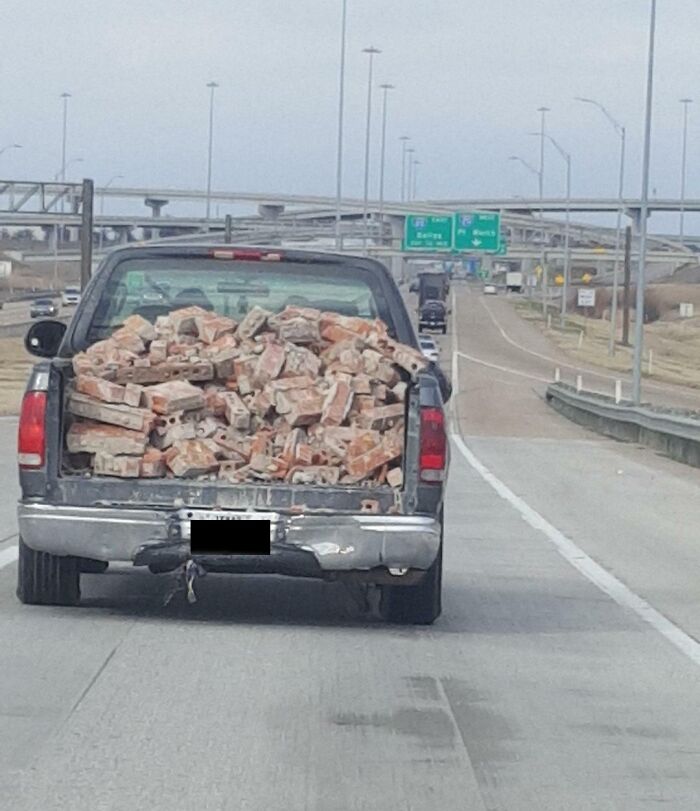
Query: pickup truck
(433,315)
(73,523)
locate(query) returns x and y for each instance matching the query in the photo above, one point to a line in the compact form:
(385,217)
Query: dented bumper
(304,545)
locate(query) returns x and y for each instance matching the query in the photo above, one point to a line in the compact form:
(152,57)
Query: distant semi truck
(514,281)
(433,286)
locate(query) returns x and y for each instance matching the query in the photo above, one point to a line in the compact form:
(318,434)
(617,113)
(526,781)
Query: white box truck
(514,281)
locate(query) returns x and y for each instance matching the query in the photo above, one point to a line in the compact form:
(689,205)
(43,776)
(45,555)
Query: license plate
(185,518)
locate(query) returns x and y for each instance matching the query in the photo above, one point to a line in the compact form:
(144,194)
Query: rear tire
(444,330)
(414,605)
(45,579)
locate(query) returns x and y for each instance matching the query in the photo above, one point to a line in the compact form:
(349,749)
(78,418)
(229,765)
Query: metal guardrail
(674,433)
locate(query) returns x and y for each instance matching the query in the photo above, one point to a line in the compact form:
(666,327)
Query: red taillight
(433,445)
(251,256)
(31,440)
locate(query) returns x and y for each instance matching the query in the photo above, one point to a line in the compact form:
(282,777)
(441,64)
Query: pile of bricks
(302,396)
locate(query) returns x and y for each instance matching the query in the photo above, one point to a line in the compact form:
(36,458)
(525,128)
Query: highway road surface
(563,675)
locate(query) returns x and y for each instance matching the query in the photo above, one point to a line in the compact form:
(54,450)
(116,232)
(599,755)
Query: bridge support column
(398,261)
(270,212)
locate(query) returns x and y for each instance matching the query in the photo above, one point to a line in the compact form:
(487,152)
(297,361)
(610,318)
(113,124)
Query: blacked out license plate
(228,532)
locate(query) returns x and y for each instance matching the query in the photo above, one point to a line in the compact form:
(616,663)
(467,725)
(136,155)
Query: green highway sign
(428,232)
(477,231)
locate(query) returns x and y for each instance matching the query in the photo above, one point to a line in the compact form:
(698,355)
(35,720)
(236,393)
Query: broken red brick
(191,457)
(236,412)
(93,437)
(337,404)
(305,411)
(386,451)
(363,441)
(381,417)
(137,419)
(127,339)
(99,389)
(254,321)
(152,464)
(143,328)
(317,474)
(351,324)
(394,477)
(133,394)
(107,464)
(301,361)
(379,391)
(399,391)
(210,328)
(299,329)
(166,372)
(269,364)
(175,395)
(158,351)
(362,384)
(214,400)
(183,321)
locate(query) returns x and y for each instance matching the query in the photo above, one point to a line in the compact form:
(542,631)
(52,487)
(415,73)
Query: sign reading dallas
(463,232)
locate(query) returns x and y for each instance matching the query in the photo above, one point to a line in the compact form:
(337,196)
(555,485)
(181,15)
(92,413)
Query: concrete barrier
(672,432)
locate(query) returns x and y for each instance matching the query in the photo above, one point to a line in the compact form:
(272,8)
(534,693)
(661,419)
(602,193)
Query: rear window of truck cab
(153,287)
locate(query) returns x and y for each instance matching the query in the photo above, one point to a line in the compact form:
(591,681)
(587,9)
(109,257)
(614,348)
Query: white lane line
(8,556)
(591,570)
(587,369)
(472,359)
(548,358)
(573,554)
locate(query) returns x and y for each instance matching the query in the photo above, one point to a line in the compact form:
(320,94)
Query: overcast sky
(469,75)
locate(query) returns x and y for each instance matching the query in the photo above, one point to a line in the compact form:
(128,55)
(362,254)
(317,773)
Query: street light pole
(685,103)
(567,232)
(416,164)
(371,51)
(386,88)
(102,205)
(643,214)
(621,131)
(403,140)
(543,113)
(64,96)
(409,172)
(527,165)
(212,87)
(341,110)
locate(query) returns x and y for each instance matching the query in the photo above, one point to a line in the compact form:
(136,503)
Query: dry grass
(15,364)
(675,346)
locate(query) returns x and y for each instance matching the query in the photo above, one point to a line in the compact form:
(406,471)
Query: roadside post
(626,287)
(86,233)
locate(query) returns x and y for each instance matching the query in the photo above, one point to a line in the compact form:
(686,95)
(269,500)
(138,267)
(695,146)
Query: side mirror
(44,338)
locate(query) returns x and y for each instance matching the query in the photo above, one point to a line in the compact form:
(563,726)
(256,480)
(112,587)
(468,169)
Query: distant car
(152,297)
(70,297)
(43,308)
(433,315)
(429,348)
(490,290)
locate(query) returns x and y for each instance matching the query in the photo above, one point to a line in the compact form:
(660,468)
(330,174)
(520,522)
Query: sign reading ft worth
(464,232)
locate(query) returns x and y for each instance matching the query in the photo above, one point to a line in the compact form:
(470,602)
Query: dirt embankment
(671,343)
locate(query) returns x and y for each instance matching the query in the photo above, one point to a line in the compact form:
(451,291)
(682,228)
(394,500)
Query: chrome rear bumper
(337,543)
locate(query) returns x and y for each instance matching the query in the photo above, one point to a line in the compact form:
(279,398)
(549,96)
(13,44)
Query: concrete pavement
(535,690)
